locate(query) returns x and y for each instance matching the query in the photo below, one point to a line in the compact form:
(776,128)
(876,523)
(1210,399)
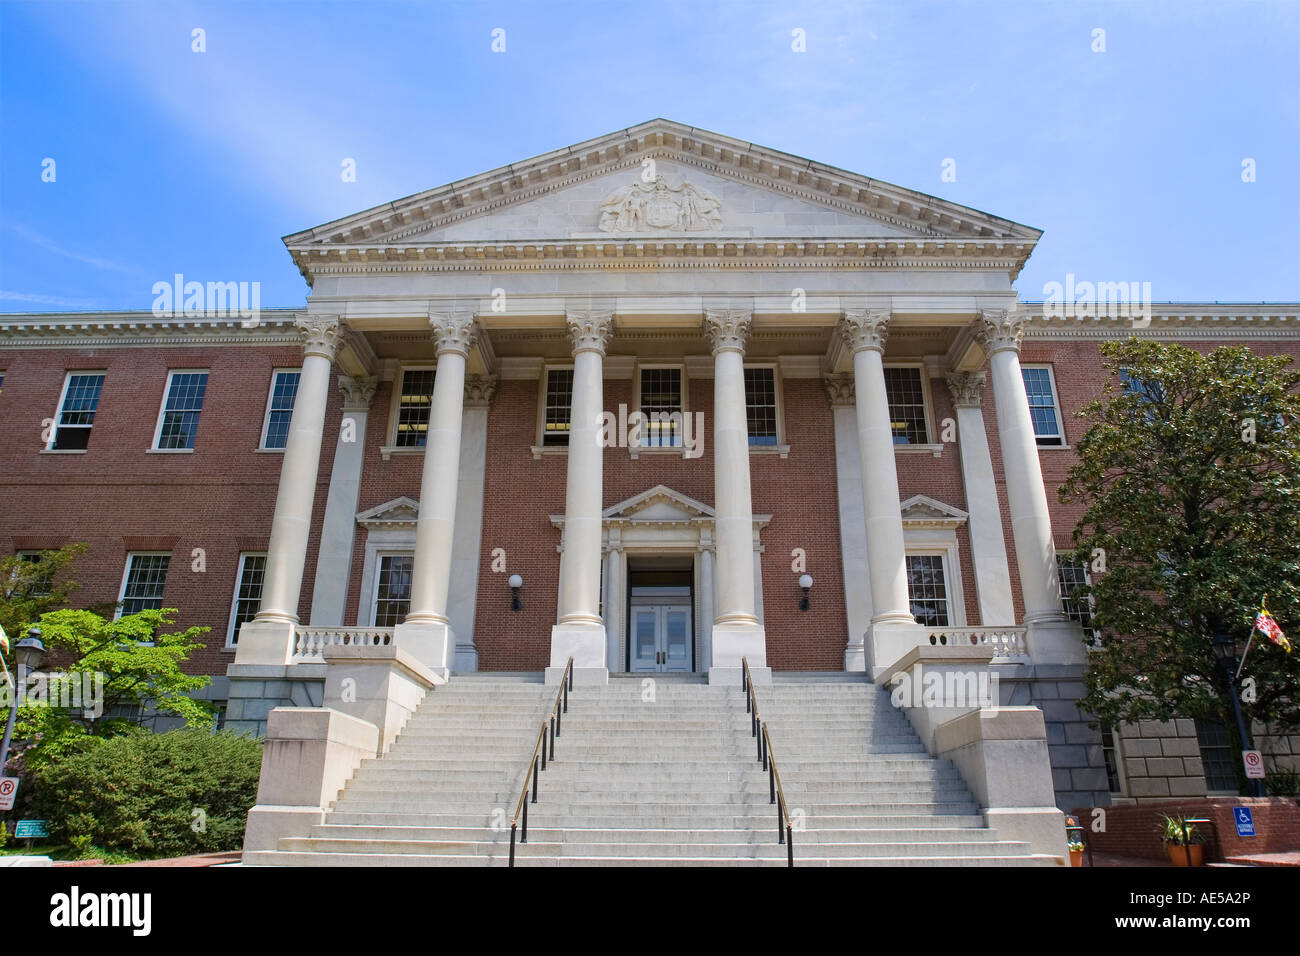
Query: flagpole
(1244,653)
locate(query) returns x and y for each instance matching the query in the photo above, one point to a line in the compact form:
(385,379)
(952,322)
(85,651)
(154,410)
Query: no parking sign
(8,791)
(1254,762)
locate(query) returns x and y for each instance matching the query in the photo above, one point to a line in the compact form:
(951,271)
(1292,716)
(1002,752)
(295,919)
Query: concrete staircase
(654,773)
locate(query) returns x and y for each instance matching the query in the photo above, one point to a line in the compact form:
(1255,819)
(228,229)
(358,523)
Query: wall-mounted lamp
(805,582)
(516,582)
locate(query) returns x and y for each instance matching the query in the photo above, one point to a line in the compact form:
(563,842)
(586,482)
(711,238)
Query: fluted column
(894,630)
(269,637)
(426,632)
(1052,638)
(987,544)
(580,632)
(736,629)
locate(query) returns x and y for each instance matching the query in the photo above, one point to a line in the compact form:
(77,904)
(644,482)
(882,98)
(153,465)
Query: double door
(661,638)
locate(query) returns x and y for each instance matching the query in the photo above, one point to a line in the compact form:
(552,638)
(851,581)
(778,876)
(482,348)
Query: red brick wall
(1131,830)
(118,498)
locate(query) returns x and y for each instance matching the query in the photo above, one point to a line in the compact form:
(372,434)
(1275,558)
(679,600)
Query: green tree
(35,583)
(1189,475)
(140,663)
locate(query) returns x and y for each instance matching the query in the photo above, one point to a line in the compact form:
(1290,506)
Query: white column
(427,632)
(705,625)
(853,527)
(893,630)
(737,632)
(269,637)
(987,545)
(1052,638)
(338,527)
(580,633)
(467,542)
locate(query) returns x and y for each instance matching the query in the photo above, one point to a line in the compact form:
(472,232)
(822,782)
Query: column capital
(839,388)
(321,334)
(999,330)
(357,391)
(453,331)
(967,388)
(865,329)
(727,329)
(479,390)
(590,329)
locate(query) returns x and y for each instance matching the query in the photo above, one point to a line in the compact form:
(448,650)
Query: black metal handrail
(537,762)
(763,741)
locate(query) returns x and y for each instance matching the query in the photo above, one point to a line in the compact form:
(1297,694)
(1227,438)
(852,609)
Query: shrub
(153,795)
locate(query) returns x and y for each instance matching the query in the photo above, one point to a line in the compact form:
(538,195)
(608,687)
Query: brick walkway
(202,859)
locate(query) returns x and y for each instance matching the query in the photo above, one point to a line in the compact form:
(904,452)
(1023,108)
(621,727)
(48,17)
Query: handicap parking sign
(1245,822)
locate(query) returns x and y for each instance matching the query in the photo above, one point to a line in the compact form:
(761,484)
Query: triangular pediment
(927,510)
(398,513)
(660,179)
(659,503)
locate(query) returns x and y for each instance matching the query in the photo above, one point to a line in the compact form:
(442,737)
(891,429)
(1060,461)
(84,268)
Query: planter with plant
(1183,841)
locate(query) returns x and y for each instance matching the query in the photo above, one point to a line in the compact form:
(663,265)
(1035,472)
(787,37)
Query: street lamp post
(27,656)
(1225,652)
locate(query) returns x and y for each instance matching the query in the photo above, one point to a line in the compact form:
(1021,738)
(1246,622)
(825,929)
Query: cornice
(121,329)
(1172,320)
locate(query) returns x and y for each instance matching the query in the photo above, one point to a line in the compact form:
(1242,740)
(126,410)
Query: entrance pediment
(659,503)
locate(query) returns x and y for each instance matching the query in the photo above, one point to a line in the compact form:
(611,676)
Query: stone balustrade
(310,642)
(1006,642)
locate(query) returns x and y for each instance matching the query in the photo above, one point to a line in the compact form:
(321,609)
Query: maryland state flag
(1265,624)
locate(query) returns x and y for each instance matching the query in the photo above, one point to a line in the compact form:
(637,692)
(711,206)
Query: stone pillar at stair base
(309,755)
(730,644)
(382,685)
(431,642)
(950,668)
(888,641)
(585,643)
(1002,756)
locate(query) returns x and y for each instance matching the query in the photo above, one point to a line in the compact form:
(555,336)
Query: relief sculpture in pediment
(665,204)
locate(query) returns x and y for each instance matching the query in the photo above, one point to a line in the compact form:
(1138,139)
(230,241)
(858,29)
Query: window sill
(540,450)
(63,451)
(388,451)
(170,451)
(935,450)
(678,451)
(1055,447)
(782,450)
(269,451)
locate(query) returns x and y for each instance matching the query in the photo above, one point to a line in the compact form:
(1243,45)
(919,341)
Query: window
(1108,755)
(248,593)
(2,379)
(279,408)
(413,406)
(760,405)
(927,587)
(1073,576)
(1041,391)
(559,406)
(1216,756)
(77,411)
(906,395)
(661,405)
(142,585)
(393,594)
(39,586)
(180,415)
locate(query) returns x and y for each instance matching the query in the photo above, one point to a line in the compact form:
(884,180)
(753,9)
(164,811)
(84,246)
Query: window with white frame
(1073,575)
(927,588)
(557,410)
(40,585)
(1044,409)
(77,407)
(393,589)
(143,582)
(2,380)
(661,406)
(760,405)
(905,390)
(279,408)
(248,593)
(179,420)
(411,427)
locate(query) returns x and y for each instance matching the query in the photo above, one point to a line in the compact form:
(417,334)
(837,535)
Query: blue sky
(172,161)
